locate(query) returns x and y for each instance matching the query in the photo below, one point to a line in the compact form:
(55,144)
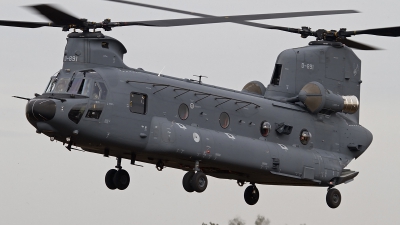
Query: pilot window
(138,103)
(79,86)
(103,91)
(99,91)
(61,85)
(276,76)
(51,85)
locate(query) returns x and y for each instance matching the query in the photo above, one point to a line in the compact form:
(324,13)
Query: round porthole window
(265,128)
(183,111)
(305,136)
(224,120)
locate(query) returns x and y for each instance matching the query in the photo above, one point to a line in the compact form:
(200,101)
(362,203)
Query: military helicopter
(302,129)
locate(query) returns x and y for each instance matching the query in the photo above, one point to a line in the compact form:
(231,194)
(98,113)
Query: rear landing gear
(117,179)
(195,181)
(109,179)
(251,195)
(199,182)
(186,181)
(333,198)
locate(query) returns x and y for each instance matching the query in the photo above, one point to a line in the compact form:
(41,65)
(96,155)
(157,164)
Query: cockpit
(83,94)
(84,83)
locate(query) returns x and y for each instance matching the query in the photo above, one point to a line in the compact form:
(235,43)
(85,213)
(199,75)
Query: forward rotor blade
(25,24)
(56,16)
(236,19)
(387,31)
(223,19)
(245,17)
(358,45)
(259,25)
(161,8)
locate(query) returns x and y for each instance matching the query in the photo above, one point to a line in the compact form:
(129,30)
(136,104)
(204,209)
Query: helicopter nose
(40,110)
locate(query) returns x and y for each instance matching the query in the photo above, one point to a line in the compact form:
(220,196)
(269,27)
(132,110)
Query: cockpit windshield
(81,83)
(61,85)
(79,86)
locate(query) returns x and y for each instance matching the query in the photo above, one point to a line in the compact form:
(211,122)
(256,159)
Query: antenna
(161,71)
(199,76)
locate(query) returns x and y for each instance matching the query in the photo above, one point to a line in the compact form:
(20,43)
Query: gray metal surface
(238,152)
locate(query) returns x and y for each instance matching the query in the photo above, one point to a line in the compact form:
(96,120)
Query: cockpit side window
(99,91)
(51,85)
(96,91)
(103,89)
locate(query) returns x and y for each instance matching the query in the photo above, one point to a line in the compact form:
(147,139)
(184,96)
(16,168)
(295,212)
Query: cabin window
(76,112)
(265,128)
(276,76)
(305,136)
(224,120)
(94,111)
(183,111)
(138,103)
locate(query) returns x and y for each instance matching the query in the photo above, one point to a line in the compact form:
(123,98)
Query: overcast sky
(43,183)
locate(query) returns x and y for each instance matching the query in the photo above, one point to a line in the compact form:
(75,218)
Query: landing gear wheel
(109,179)
(333,198)
(251,195)
(121,179)
(186,181)
(160,165)
(199,182)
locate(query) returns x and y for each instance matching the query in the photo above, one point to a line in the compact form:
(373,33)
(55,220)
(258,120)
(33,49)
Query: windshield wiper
(61,99)
(21,98)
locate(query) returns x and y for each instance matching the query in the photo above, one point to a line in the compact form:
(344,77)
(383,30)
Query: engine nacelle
(319,99)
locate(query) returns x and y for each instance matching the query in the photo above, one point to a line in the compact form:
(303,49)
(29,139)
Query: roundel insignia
(196,137)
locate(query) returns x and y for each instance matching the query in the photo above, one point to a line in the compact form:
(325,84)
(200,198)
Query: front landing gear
(333,198)
(251,194)
(195,181)
(117,179)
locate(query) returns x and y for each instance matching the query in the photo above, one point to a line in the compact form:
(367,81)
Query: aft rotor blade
(259,25)
(358,45)
(25,24)
(56,16)
(236,19)
(222,19)
(160,8)
(387,31)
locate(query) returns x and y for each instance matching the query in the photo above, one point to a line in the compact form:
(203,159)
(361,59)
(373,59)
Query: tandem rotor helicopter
(302,129)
